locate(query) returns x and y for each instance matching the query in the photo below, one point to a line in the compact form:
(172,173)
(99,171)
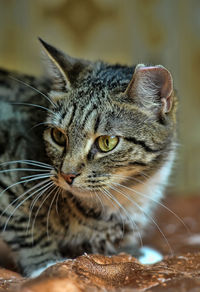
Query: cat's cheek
(61,183)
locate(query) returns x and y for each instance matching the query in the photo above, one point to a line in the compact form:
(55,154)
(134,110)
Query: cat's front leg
(33,256)
(33,260)
(38,271)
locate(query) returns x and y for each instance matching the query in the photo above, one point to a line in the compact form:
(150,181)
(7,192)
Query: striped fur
(111,200)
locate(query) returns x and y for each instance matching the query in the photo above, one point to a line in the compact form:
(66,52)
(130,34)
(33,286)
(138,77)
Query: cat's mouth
(77,184)
(112,193)
(67,185)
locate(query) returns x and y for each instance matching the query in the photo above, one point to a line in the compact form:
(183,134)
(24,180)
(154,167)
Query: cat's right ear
(64,69)
(151,87)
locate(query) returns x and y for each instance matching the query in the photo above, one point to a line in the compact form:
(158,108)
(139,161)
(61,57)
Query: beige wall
(129,31)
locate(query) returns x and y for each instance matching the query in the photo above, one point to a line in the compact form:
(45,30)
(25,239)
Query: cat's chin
(79,192)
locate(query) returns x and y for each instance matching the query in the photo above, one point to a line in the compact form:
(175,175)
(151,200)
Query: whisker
(109,196)
(102,205)
(22,195)
(129,178)
(34,105)
(40,124)
(148,216)
(145,175)
(42,175)
(57,199)
(159,203)
(91,195)
(47,186)
(22,169)
(36,214)
(49,211)
(130,219)
(15,209)
(37,162)
(35,199)
(17,183)
(35,89)
(30,162)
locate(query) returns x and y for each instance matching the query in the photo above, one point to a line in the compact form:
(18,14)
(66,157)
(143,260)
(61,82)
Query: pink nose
(69,177)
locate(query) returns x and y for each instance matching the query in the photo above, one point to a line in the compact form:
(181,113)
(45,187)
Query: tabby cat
(85,155)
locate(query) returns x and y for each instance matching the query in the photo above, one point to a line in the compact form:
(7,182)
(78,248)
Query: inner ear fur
(152,88)
(64,69)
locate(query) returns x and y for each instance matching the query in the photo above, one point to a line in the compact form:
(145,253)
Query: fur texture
(62,200)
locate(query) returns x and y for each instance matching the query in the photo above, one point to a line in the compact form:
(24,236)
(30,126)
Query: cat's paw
(149,256)
(37,272)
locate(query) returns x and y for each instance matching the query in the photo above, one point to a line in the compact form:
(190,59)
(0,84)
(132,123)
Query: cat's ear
(64,69)
(152,88)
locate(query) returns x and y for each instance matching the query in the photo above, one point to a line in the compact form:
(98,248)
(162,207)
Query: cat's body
(105,197)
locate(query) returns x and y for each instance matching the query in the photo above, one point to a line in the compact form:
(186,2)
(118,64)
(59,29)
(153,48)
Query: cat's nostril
(69,177)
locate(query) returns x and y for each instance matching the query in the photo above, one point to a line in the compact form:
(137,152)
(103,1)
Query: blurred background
(125,31)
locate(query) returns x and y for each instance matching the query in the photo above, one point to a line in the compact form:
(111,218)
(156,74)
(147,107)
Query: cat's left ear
(152,88)
(63,68)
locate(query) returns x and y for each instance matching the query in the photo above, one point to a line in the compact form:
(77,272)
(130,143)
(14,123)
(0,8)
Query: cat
(85,155)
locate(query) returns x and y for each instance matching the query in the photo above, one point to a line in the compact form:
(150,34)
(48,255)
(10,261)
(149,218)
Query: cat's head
(110,124)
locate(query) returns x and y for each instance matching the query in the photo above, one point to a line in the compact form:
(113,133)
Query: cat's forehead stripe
(90,121)
(97,122)
(87,118)
(88,111)
(68,116)
(73,114)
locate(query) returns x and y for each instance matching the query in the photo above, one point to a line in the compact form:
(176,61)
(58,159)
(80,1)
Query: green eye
(58,137)
(107,143)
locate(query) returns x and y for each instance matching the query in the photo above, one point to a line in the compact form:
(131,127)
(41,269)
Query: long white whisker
(23,194)
(110,197)
(130,219)
(12,213)
(102,205)
(17,183)
(129,178)
(47,186)
(36,214)
(147,215)
(30,162)
(40,124)
(34,105)
(57,199)
(22,169)
(35,89)
(38,195)
(133,224)
(49,211)
(145,175)
(157,202)
(42,175)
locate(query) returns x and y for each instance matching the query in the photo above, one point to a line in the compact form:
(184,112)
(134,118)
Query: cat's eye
(107,143)
(58,137)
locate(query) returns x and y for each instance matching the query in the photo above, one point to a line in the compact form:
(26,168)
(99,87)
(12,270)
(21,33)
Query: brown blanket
(178,272)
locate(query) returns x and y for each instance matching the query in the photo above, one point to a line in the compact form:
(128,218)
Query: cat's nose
(69,177)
